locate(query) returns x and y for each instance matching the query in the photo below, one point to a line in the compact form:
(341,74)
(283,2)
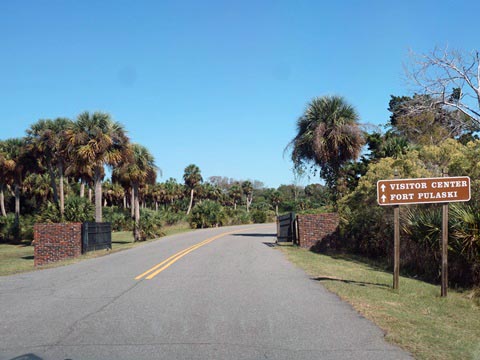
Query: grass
(415,317)
(15,259)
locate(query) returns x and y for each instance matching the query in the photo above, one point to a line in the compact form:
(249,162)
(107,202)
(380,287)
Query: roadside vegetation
(429,133)
(56,173)
(415,317)
(18,258)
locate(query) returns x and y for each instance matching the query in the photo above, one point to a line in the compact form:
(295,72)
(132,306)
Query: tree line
(429,132)
(58,170)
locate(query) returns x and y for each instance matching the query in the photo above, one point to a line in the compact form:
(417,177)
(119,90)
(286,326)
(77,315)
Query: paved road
(235,297)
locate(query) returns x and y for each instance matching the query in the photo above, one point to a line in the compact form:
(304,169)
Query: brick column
(314,228)
(55,242)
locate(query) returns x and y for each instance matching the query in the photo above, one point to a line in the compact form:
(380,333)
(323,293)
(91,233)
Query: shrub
(150,224)
(172,218)
(237,217)
(77,209)
(207,214)
(259,216)
(119,218)
(7,228)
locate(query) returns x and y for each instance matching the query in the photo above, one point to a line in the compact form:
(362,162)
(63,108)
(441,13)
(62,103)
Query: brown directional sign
(423,191)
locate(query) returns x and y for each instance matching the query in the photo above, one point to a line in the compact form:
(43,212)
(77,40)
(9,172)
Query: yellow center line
(157,269)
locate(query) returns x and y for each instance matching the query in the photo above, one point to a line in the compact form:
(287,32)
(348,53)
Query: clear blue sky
(216,83)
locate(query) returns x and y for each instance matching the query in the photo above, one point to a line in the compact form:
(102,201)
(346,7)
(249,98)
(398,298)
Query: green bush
(172,218)
(77,209)
(259,216)
(119,218)
(237,217)
(150,224)
(207,214)
(7,227)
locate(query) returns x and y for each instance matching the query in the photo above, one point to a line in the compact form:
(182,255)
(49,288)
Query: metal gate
(96,236)
(286,228)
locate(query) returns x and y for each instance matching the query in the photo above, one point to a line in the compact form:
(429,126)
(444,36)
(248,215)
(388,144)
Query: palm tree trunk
(62,193)
(136,202)
(82,189)
(276,210)
(16,226)
(98,195)
(191,203)
(156,205)
(2,201)
(17,201)
(124,201)
(132,203)
(52,183)
(90,194)
(235,205)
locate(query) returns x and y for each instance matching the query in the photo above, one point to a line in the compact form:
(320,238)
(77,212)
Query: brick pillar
(314,228)
(55,242)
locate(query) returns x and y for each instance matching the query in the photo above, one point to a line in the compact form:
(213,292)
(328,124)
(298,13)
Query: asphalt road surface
(199,295)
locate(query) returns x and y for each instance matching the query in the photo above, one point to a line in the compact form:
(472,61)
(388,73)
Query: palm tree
(141,170)
(192,178)
(46,139)
(15,154)
(7,167)
(158,193)
(235,193)
(247,188)
(328,135)
(276,199)
(38,186)
(95,140)
(173,191)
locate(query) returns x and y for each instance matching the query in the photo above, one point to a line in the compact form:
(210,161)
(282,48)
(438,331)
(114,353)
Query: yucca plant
(423,225)
(466,231)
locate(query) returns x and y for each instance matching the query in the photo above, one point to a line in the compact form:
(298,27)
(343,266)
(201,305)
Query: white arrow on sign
(383,198)
(383,187)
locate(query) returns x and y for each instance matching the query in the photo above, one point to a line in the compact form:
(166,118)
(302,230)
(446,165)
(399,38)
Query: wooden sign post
(442,190)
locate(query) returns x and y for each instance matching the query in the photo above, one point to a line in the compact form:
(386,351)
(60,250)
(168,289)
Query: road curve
(225,294)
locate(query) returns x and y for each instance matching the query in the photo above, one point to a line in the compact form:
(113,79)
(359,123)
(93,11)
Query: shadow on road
(256,235)
(269,244)
(359,283)
(27,357)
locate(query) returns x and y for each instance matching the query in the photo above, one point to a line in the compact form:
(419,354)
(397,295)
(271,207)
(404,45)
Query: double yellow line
(157,269)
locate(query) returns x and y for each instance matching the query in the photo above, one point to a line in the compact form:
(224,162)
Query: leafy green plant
(237,217)
(7,228)
(78,209)
(259,216)
(119,218)
(207,214)
(150,224)
(172,218)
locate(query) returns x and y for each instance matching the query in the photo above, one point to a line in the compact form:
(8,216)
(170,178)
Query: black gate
(96,236)
(286,228)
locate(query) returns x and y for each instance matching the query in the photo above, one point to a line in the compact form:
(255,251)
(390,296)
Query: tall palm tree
(192,178)
(46,139)
(7,166)
(328,135)
(276,199)
(173,192)
(235,194)
(15,153)
(95,140)
(158,193)
(247,188)
(141,170)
